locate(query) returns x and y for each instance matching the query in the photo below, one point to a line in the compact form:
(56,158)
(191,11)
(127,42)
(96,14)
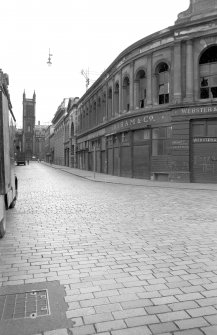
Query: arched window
(28,128)
(82,122)
(87,118)
(99,110)
(163,83)
(109,102)
(208,73)
(126,94)
(116,99)
(91,117)
(140,87)
(94,114)
(72,129)
(103,107)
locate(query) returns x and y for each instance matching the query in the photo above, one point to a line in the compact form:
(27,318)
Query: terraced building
(153,112)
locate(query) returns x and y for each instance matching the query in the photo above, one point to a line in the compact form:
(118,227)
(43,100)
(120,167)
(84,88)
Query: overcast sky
(83,34)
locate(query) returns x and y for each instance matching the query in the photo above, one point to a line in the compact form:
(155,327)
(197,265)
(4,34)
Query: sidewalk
(105,178)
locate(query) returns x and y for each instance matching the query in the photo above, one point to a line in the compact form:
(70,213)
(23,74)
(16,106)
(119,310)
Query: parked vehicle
(20,158)
(8,179)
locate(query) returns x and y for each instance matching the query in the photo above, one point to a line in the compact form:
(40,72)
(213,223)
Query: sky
(81,35)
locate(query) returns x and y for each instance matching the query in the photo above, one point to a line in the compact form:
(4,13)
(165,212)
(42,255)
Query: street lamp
(49,59)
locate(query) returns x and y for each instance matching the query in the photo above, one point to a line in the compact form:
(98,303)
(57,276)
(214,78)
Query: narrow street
(132,260)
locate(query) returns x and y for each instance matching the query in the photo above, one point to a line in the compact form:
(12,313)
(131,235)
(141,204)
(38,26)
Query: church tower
(28,124)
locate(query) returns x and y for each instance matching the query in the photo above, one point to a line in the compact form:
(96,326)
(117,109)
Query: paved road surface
(133,260)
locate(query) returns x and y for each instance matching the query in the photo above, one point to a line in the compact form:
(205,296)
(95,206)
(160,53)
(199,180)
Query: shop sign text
(138,121)
(197,110)
(205,139)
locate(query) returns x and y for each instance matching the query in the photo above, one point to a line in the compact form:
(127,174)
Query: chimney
(38,123)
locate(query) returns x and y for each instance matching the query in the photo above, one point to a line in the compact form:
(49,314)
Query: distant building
(63,137)
(49,147)
(28,125)
(72,121)
(59,132)
(39,141)
(31,139)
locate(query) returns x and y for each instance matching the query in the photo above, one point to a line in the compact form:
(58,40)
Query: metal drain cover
(24,305)
(33,308)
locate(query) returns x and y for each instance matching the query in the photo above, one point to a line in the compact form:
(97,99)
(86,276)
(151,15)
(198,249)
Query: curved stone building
(153,112)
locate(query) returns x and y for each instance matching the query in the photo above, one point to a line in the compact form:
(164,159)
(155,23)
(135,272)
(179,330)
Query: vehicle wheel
(12,205)
(3,225)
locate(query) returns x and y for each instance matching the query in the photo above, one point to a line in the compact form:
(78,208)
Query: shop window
(110,141)
(141,135)
(103,143)
(126,94)
(211,129)
(198,129)
(208,73)
(161,141)
(140,87)
(116,140)
(125,138)
(163,83)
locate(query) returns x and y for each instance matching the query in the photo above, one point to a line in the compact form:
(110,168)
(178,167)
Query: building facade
(72,132)
(153,112)
(59,132)
(49,149)
(64,133)
(39,141)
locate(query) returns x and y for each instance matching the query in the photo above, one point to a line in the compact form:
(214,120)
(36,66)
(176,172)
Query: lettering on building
(140,120)
(205,139)
(197,110)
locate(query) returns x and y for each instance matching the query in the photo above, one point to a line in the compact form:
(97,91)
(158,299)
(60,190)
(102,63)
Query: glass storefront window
(211,130)
(161,140)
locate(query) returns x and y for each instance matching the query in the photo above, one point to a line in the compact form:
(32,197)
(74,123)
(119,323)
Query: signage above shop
(138,122)
(197,110)
(205,139)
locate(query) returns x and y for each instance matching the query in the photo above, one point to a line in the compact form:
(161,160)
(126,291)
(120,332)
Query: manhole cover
(33,308)
(24,305)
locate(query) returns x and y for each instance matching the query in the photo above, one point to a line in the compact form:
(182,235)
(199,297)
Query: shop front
(195,144)
(136,147)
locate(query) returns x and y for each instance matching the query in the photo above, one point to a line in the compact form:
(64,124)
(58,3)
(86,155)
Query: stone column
(131,86)
(189,71)
(136,94)
(112,102)
(149,81)
(177,73)
(120,94)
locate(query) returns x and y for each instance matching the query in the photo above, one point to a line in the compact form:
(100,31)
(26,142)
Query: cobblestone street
(134,260)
